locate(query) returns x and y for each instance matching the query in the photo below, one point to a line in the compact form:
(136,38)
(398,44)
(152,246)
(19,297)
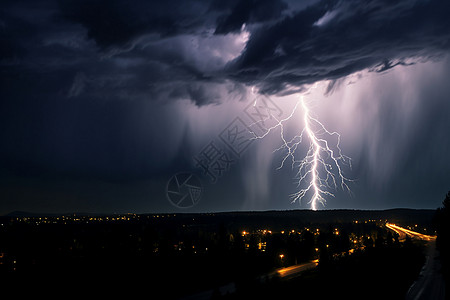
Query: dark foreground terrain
(377,273)
(184,254)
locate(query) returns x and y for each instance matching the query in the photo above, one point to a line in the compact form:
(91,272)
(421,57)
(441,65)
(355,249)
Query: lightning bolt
(320,169)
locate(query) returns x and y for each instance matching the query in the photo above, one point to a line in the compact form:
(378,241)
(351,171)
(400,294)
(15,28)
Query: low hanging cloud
(332,39)
(140,49)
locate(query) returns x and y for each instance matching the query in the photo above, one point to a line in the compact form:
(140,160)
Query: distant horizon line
(19,213)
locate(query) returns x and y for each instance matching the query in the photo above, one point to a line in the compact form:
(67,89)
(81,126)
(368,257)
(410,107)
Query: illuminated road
(430,283)
(295,270)
(285,273)
(403,232)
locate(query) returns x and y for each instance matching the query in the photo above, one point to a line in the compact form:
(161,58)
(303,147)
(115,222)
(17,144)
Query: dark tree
(442,224)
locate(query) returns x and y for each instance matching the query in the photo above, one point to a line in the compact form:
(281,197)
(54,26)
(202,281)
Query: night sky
(102,102)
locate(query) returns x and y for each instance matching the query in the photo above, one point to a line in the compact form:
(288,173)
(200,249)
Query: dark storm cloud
(248,12)
(333,39)
(153,35)
(107,49)
(117,22)
(164,50)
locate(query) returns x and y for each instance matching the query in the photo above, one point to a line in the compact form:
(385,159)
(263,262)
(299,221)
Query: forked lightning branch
(319,169)
(314,154)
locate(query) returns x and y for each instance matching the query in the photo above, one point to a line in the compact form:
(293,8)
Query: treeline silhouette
(442,224)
